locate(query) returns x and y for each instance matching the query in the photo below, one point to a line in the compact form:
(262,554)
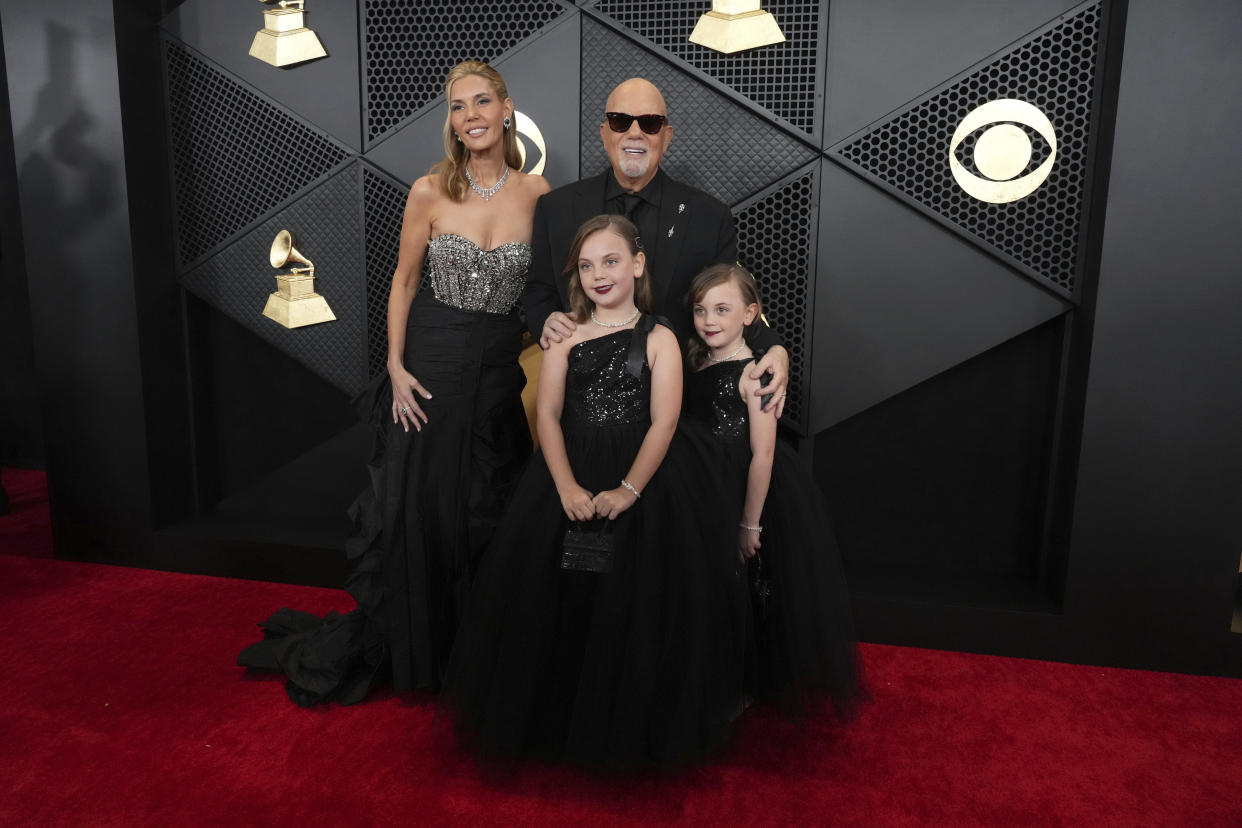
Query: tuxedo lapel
(590,200)
(670,230)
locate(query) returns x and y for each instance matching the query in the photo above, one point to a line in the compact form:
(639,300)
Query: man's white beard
(635,166)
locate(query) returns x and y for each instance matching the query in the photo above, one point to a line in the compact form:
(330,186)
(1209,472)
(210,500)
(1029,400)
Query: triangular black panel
(876,67)
(889,316)
(775,234)
(408,48)
(324,91)
(718,145)
(782,78)
(235,155)
(326,226)
(1055,70)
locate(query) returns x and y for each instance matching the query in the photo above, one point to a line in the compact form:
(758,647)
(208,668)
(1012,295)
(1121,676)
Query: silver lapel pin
(670,232)
(681,208)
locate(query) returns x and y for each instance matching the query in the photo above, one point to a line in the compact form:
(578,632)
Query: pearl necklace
(614,324)
(486,194)
(711,357)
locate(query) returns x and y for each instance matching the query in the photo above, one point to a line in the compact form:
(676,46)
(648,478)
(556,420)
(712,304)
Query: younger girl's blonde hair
(452,168)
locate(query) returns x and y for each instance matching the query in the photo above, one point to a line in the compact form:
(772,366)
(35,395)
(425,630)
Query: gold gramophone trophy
(284,39)
(295,302)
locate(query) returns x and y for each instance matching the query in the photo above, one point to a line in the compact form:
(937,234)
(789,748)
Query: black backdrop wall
(21,439)
(1021,412)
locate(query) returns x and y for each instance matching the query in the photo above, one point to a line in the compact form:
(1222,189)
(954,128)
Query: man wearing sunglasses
(683,229)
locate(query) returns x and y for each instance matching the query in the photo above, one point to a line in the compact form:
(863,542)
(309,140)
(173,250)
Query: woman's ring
(405,410)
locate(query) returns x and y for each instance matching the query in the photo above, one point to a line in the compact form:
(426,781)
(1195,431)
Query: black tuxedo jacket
(694,230)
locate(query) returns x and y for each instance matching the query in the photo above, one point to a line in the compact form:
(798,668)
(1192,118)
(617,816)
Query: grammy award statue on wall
(735,25)
(295,303)
(284,39)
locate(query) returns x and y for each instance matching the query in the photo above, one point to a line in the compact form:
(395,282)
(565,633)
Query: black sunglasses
(621,121)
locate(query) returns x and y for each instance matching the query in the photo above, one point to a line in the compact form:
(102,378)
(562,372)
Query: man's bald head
(637,96)
(635,155)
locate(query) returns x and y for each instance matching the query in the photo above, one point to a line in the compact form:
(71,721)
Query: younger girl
(804,645)
(620,657)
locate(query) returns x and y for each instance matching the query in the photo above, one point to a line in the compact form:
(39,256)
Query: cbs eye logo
(1002,151)
(526,128)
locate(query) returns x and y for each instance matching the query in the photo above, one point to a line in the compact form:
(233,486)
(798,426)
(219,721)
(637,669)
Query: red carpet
(27,528)
(123,707)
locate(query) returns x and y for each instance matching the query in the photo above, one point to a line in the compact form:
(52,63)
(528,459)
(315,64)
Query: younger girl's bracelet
(629,486)
(755,529)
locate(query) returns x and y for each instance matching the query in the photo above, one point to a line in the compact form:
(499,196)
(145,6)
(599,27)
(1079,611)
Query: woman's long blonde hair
(452,168)
(708,278)
(580,306)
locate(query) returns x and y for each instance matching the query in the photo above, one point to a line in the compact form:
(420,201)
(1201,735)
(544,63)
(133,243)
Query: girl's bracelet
(628,485)
(755,529)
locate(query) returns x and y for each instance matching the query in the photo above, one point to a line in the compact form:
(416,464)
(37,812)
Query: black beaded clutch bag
(587,547)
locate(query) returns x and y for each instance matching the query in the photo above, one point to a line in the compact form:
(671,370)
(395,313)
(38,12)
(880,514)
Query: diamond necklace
(730,356)
(614,324)
(486,194)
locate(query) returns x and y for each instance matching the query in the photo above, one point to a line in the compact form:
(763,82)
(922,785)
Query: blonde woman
(455,435)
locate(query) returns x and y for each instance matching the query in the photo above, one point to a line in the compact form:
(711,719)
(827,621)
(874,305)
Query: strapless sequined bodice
(465,276)
(712,398)
(599,391)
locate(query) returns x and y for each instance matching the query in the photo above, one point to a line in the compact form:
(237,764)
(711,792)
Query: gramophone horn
(283,251)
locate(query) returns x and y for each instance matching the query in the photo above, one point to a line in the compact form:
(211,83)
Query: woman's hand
(405,407)
(578,504)
(613,502)
(747,544)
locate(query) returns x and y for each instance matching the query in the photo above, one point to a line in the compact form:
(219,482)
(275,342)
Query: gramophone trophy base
(296,313)
(297,284)
(283,41)
(729,33)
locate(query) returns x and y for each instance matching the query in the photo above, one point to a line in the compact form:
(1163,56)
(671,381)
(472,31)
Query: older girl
(620,646)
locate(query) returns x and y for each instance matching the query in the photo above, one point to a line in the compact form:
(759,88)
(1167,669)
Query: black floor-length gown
(803,649)
(636,668)
(435,495)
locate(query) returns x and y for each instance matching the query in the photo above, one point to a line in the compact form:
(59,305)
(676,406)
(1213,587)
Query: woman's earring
(458,137)
(508,122)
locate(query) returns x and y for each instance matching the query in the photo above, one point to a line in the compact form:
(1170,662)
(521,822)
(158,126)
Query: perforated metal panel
(775,239)
(720,147)
(410,47)
(384,203)
(384,208)
(326,223)
(1055,70)
(782,78)
(235,155)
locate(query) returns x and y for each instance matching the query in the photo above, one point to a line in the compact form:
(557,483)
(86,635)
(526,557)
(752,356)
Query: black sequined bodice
(599,391)
(712,398)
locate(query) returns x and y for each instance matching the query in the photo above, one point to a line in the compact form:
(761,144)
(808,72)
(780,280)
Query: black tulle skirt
(434,500)
(802,650)
(637,668)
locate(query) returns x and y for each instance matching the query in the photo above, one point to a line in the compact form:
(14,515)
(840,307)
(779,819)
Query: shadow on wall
(65,174)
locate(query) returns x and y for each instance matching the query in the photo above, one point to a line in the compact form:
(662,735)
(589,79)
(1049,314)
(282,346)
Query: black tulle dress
(803,650)
(436,495)
(637,668)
